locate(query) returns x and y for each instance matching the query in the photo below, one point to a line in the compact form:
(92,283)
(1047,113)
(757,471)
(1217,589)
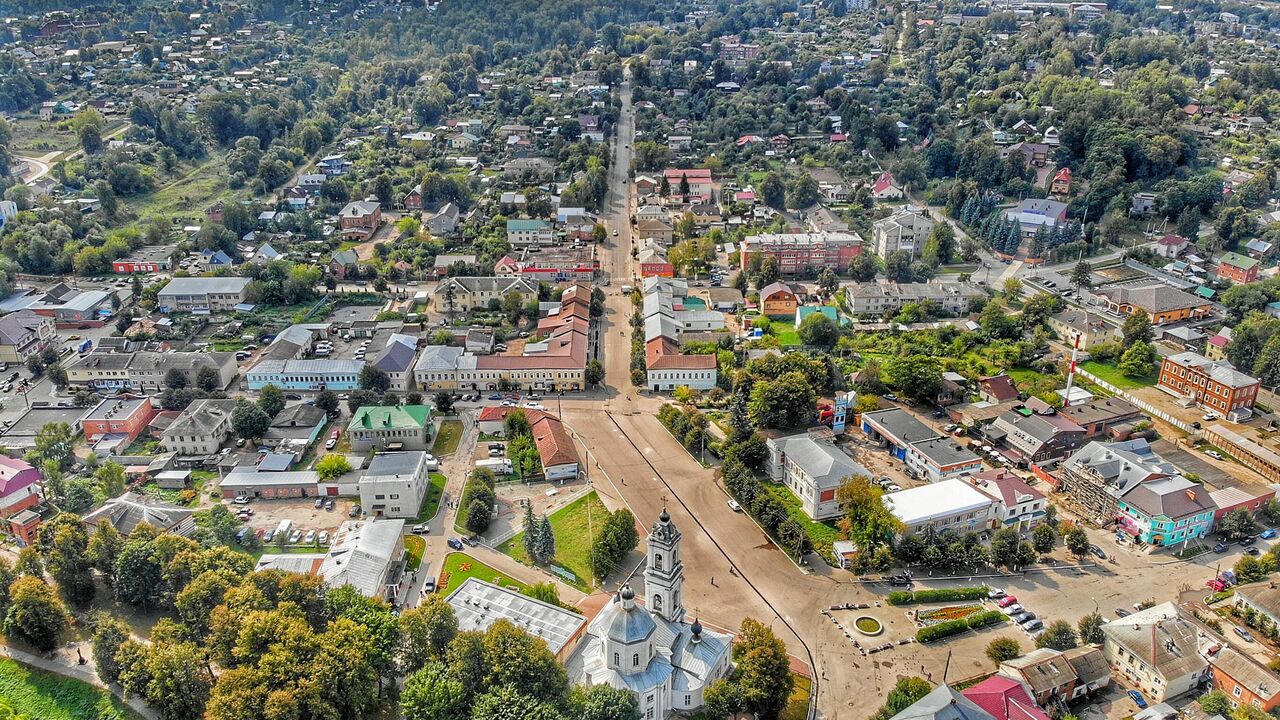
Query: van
(626,289)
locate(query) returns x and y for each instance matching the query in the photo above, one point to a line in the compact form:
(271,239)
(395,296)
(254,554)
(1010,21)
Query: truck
(498,466)
(84,346)
(283,529)
(626,289)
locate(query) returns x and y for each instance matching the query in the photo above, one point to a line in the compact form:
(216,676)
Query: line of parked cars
(1025,619)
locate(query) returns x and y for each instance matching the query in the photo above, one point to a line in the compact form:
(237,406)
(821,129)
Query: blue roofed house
(1166,511)
(1034,213)
(397,361)
(216,258)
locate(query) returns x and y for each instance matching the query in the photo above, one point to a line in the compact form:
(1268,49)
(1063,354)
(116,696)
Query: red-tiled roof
(1004,699)
(662,353)
(1000,387)
(555,447)
(499,414)
(884,182)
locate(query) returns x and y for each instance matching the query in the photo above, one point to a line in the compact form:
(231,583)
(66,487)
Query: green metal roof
(371,417)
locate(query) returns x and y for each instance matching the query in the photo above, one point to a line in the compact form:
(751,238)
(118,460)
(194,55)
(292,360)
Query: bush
(990,617)
(900,597)
(941,630)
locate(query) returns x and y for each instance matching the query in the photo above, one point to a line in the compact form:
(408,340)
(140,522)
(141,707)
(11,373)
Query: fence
(1137,402)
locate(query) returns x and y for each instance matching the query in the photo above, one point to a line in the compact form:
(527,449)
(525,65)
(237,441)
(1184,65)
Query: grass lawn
(35,693)
(448,437)
(228,345)
(798,704)
(821,534)
(572,525)
(414,546)
(431,503)
(787,336)
(460,566)
(1113,375)
(188,190)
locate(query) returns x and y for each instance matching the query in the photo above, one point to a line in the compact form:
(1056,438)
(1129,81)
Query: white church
(651,650)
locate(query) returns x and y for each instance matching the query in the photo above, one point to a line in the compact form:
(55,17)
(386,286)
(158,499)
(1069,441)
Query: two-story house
(1017,504)
(360,219)
(390,428)
(121,418)
(1166,511)
(812,468)
(24,334)
(201,428)
(1159,651)
(191,294)
(395,484)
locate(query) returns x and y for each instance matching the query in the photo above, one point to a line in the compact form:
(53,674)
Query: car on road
(1121,612)
(495,396)
(330,444)
(734,506)
(615,233)
(420,529)
(1097,552)
(1251,550)
(241,500)
(1268,534)
(1248,541)
(1211,415)
(1220,548)
(292,396)
(1244,634)
(470,540)
(455,543)
(334,435)
(244,516)
(1213,454)
(1137,699)
(1006,601)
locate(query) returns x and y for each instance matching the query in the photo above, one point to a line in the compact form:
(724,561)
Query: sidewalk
(65,664)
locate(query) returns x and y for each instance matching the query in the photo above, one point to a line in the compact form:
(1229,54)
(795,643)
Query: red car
(334,435)
(1006,601)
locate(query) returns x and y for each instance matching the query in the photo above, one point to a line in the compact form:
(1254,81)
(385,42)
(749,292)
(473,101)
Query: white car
(330,443)
(1213,454)
(533,406)
(1211,415)
(734,506)
(324,537)
(420,529)
(310,537)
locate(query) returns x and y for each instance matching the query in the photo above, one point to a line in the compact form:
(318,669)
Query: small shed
(173,479)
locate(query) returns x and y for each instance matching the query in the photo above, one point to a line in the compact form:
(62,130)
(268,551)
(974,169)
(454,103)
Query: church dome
(629,626)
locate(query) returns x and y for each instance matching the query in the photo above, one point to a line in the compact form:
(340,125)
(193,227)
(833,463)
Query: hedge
(954,627)
(902,597)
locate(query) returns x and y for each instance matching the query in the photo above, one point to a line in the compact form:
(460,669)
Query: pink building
(19,485)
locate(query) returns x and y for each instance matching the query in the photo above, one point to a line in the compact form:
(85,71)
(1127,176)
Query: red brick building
(1214,385)
(1238,268)
(360,219)
(801,252)
(128,417)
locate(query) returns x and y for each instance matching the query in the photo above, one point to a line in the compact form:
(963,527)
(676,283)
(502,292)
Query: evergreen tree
(546,541)
(530,533)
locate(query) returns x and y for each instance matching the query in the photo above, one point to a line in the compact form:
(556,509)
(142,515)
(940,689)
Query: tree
(35,614)
(444,402)
(1058,635)
(111,478)
(138,572)
(478,516)
(271,400)
(249,421)
(603,702)
(1138,360)
(426,632)
(1012,288)
(530,527)
(516,425)
(784,402)
(905,693)
(327,400)
(1077,541)
(1003,649)
(803,192)
(768,273)
(1136,328)
(432,693)
(1044,537)
(175,378)
(1238,523)
(545,548)
(594,374)
(773,192)
(332,466)
(64,544)
(1090,627)
(819,330)
(372,378)
(208,379)
(761,675)
(863,268)
(53,442)
(104,549)
(1081,276)
(109,634)
(1215,702)
(866,519)
(617,538)
(179,682)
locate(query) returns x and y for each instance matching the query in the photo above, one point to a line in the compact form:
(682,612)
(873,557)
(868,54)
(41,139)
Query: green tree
(603,702)
(1237,524)
(773,192)
(594,374)
(803,192)
(444,402)
(431,693)
(1058,635)
(179,680)
(478,516)
(175,378)
(917,376)
(332,466)
(54,442)
(426,631)
(1044,537)
(1090,628)
(138,572)
(761,679)
(1136,328)
(1215,702)
(208,379)
(327,400)
(1081,276)
(64,545)
(35,614)
(249,421)
(271,400)
(109,634)
(111,478)
(372,378)
(866,520)
(784,402)
(905,693)
(819,330)
(1003,649)
(1077,541)
(1138,360)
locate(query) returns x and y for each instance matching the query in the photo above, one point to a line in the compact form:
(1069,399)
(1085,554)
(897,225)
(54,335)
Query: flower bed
(868,625)
(949,612)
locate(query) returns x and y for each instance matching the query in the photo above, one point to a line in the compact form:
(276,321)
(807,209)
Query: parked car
(892,487)
(269,535)
(1032,625)
(330,444)
(1013,609)
(1220,547)
(1097,552)
(734,506)
(429,585)
(421,529)
(310,537)
(324,537)
(328,503)
(295,536)
(319,503)
(334,435)
(1244,634)
(1252,550)
(1249,541)
(995,593)
(1268,534)
(354,511)
(495,396)
(455,543)
(1137,699)
(1121,612)
(296,396)
(1213,454)
(241,500)
(1006,601)
(1022,617)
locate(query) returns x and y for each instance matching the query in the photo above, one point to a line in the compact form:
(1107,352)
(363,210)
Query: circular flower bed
(868,625)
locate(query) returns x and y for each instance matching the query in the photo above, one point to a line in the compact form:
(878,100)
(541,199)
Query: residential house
(1098,474)
(1035,432)
(778,300)
(654,229)
(149,259)
(1158,651)
(812,467)
(130,510)
(395,484)
(396,360)
(19,486)
(24,334)
(412,200)
(944,702)
(343,262)
(360,219)
(1172,246)
(437,367)
(1034,213)
(1017,504)
(201,428)
(1084,330)
(1061,184)
(802,252)
(530,233)
(203,294)
(941,458)
(556,451)
(878,298)
(886,188)
(1212,384)
(906,229)
(1102,415)
(1162,303)
(296,426)
(667,368)
(145,371)
(1166,511)
(1056,677)
(121,419)
(1004,699)
(1245,681)
(1238,268)
(997,389)
(1143,204)
(700,188)
(1262,597)
(390,428)
(443,222)
(947,505)
(477,293)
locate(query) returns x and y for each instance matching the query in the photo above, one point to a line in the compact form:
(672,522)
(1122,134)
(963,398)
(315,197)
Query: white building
(1159,650)
(201,428)
(477,604)
(368,555)
(947,505)
(812,469)
(651,651)
(906,230)
(395,484)
(202,293)
(941,458)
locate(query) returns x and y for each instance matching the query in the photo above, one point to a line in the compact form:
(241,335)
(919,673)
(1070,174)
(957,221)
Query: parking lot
(268,514)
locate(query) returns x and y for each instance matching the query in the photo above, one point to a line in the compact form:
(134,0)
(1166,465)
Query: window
(688,700)
(657,561)
(657,603)
(1236,691)
(616,661)
(635,659)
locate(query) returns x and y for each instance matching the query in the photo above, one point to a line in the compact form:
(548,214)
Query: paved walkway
(64,661)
